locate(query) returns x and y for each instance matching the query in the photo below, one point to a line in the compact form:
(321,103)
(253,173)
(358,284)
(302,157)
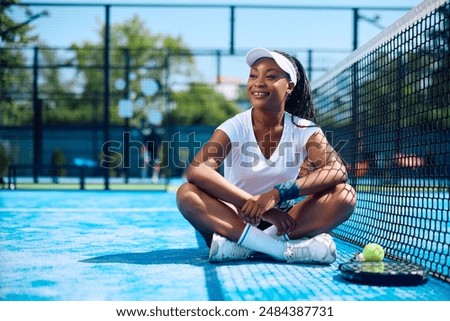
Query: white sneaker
(222,250)
(319,250)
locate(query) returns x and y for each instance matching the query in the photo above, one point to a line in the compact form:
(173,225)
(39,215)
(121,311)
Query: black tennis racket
(384,273)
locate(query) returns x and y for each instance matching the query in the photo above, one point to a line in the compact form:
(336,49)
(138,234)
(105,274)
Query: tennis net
(386,109)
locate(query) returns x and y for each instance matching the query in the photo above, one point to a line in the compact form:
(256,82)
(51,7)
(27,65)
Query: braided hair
(299,102)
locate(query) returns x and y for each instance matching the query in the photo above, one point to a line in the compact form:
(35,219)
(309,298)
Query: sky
(327,34)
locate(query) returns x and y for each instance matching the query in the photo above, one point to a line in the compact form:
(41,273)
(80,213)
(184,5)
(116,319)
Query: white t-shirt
(246,167)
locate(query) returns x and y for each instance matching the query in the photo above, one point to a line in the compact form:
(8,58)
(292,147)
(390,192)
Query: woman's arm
(203,173)
(329,167)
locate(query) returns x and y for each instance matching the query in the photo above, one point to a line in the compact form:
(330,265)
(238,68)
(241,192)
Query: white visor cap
(282,61)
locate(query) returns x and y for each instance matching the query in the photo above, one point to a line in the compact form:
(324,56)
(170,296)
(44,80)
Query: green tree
(200,105)
(78,97)
(14,98)
(151,56)
(58,101)
(393,89)
(439,52)
(14,32)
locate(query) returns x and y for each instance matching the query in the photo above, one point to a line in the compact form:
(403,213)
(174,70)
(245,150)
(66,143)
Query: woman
(284,187)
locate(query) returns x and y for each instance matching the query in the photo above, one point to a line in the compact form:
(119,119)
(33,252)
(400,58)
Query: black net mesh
(387,111)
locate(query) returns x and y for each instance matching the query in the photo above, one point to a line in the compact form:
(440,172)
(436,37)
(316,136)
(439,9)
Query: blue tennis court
(135,245)
(384,108)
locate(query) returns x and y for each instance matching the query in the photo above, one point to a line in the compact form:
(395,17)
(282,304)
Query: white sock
(255,239)
(272,231)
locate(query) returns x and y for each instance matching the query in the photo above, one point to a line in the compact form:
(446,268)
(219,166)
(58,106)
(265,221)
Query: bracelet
(288,190)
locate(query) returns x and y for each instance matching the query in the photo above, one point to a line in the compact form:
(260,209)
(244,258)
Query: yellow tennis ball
(373,252)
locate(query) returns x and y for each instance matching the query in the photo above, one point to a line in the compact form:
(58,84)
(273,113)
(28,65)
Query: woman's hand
(281,220)
(256,206)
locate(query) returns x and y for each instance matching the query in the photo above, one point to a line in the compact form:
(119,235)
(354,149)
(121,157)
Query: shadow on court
(195,257)
(176,256)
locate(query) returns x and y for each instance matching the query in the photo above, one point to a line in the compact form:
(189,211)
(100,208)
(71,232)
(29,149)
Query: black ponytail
(299,103)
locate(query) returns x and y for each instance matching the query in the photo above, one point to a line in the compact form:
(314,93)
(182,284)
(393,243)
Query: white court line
(84,209)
